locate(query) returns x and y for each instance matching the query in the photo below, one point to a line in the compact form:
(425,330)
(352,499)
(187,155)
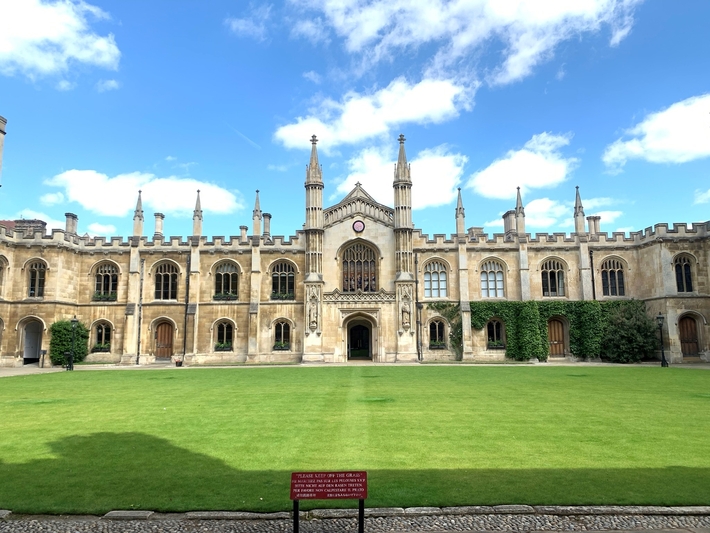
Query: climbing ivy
(526,325)
(452,313)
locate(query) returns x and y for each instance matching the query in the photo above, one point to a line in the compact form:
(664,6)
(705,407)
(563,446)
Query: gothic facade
(353,284)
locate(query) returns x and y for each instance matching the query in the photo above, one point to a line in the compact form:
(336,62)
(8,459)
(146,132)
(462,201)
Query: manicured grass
(189,439)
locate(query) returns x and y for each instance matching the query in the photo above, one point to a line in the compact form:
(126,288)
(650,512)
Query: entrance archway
(164,340)
(556,337)
(359,340)
(688,332)
(32,342)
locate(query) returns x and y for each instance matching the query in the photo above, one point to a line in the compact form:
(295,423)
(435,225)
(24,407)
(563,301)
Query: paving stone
(467,509)
(422,510)
(4,513)
(513,509)
(384,511)
(128,515)
(238,515)
(334,513)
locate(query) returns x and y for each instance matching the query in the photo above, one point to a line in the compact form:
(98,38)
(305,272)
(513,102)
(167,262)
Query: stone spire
(314,172)
(197,217)
(460,216)
(3,123)
(403,215)
(578,214)
(519,215)
(401,170)
(256,217)
(314,217)
(138,217)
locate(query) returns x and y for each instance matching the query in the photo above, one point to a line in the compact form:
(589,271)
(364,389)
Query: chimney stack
(267,225)
(593,224)
(243,234)
(3,122)
(159,218)
(71,224)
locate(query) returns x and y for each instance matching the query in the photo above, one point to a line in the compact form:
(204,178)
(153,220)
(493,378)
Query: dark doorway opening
(359,342)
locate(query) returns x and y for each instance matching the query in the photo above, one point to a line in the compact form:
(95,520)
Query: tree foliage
(61,341)
(629,334)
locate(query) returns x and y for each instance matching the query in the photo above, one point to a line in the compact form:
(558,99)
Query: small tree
(630,334)
(61,341)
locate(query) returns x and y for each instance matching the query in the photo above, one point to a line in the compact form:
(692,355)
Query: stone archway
(360,338)
(688,334)
(31,342)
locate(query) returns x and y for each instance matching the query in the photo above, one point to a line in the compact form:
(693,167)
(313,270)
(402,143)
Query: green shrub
(629,334)
(61,341)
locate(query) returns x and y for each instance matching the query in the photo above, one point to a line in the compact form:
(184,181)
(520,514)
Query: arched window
(166,276)
(613,278)
(225,337)
(37,270)
(283,277)
(435,280)
(282,335)
(226,282)
(437,340)
(102,337)
(683,274)
(492,280)
(553,278)
(495,332)
(106,287)
(359,268)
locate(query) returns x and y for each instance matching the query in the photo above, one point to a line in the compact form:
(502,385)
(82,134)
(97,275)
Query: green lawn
(196,439)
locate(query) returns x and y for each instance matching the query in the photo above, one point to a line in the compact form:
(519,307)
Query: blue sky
(106,97)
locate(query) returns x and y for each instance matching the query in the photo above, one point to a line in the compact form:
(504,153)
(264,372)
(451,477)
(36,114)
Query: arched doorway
(688,332)
(359,340)
(556,337)
(164,340)
(32,342)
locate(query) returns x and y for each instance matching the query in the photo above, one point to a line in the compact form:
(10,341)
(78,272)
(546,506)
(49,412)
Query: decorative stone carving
(313,303)
(359,296)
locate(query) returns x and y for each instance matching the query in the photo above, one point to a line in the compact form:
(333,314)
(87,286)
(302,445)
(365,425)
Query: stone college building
(355,283)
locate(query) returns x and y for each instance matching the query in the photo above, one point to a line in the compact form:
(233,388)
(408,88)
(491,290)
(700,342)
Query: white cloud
(702,197)
(677,134)
(116,196)
(358,117)
(277,168)
(39,38)
(102,229)
(608,216)
(51,223)
(254,25)
(313,76)
(171,158)
(52,198)
(107,85)
(526,31)
(435,175)
(310,29)
(538,164)
(65,85)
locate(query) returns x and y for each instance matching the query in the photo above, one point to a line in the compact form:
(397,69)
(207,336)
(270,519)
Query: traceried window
(102,334)
(494,334)
(282,335)
(359,268)
(492,280)
(226,282)
(106,286)
(166,276)
(613,278)
(37,270)
(283,277)
(435,280)
(225,337)
(437,341)
(683,274)
(553,278)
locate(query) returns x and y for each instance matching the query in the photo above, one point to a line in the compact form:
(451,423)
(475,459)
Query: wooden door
(556,338)
(688,336)
(164,340)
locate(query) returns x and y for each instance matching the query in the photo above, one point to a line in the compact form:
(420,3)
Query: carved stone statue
(406,314)
(313,313)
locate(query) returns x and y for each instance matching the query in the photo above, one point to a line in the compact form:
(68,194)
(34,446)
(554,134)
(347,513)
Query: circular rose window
(359,226)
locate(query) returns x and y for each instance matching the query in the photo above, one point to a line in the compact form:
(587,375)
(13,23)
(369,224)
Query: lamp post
(74,322)
(659,319)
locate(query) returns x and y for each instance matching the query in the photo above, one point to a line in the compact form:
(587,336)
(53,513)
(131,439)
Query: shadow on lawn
(104,471)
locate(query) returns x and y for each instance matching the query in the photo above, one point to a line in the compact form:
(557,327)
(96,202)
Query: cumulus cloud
(435,172)
(253,25)
(31,214)
(96,229)
(358,117)
(52,198)
(40,38)
(702,197)
(65,85)
(526,31)
(171,194)
(538,164)
(107,85)
(677,134)
(313,76)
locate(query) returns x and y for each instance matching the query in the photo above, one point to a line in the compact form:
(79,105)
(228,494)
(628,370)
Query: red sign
(327,485)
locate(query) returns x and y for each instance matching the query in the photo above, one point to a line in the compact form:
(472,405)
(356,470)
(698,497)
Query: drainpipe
(187,304)
(418,306)
(591,267)
(140,312)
